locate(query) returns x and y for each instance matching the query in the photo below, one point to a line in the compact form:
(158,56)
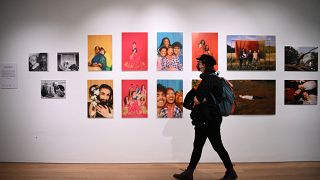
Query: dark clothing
(207,120)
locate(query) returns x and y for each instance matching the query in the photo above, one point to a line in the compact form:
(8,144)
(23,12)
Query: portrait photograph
(301,58)
(99,52)
(53,89)
(135,51)
(100,99)
(169,51)
(134,98)
(251,53)
(304,92)
(38,62)
(68,61)
(254,97)
(169,98)
(204,43)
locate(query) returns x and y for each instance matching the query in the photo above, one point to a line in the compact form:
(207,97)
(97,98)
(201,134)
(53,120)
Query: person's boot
(230,175)
(185,175)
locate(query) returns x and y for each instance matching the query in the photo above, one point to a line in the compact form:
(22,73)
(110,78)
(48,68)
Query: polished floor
(205,171)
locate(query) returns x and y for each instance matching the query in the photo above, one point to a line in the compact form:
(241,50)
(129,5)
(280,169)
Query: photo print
(301,92)
(100,99)
(135,51)
(169,51)
(204,43)
(53,89)
(68,61)
(254,97)
(301,58)
(134,98)
(99,52)
(38,62)
(251,53)
(169,98)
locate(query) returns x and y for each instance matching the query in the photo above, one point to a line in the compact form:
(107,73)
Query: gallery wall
(58,130)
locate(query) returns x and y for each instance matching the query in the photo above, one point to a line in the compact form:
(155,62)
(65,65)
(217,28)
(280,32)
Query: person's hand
(196,101)
(103,110)
(92,110)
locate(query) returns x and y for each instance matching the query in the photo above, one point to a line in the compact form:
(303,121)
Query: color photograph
(303,92)
(53,89)
(204,43)
(251,53)
(134,98)
(254,97)
(99,52)
(169,51)
(135,51)
(169,98)
(68,61)
(38,62)
(100,99)
(301,58)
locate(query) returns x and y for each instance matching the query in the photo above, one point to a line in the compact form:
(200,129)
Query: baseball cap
(207,60)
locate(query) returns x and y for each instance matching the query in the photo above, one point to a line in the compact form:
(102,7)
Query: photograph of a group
(68,61)
(53,89)
(251,53)
(100,99)
(99,52)
(169,98)
(169,51)
(134,98)
(254,97)
(135,51)
(301,58)
(301,92)
(204,43)
(38,62)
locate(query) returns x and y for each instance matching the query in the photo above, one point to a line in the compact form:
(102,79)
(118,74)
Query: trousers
(210,130)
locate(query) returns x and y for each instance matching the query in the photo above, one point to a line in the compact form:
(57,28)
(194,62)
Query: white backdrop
(40,130)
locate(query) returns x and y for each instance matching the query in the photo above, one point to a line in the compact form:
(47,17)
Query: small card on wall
(8,76)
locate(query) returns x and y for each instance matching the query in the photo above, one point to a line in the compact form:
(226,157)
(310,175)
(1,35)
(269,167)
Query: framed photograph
(68,61)
(100,99)
(301,58)
(169,98)
(99,52)
(254,97)
(38,62)
(169,51)
(135,51)
(53,89)
(134,98)
(251,53)
(204,43)
(303,92)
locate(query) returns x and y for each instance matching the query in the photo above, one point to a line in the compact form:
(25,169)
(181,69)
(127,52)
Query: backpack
(227,105)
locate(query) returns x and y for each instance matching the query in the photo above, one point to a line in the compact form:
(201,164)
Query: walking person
(206,118)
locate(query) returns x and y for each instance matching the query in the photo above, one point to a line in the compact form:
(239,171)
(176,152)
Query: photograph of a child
(204,43)
(68,61)
(99,52)
(169,51)
(100,99)
(38,62)
(53,89)
(135,51)
(134,98)
(169,98)
(303,92)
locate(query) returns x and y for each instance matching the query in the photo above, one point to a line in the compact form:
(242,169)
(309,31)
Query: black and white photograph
(38,62)
(53,89)
(68,61)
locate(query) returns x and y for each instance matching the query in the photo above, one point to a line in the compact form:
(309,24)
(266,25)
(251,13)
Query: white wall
(37,130)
